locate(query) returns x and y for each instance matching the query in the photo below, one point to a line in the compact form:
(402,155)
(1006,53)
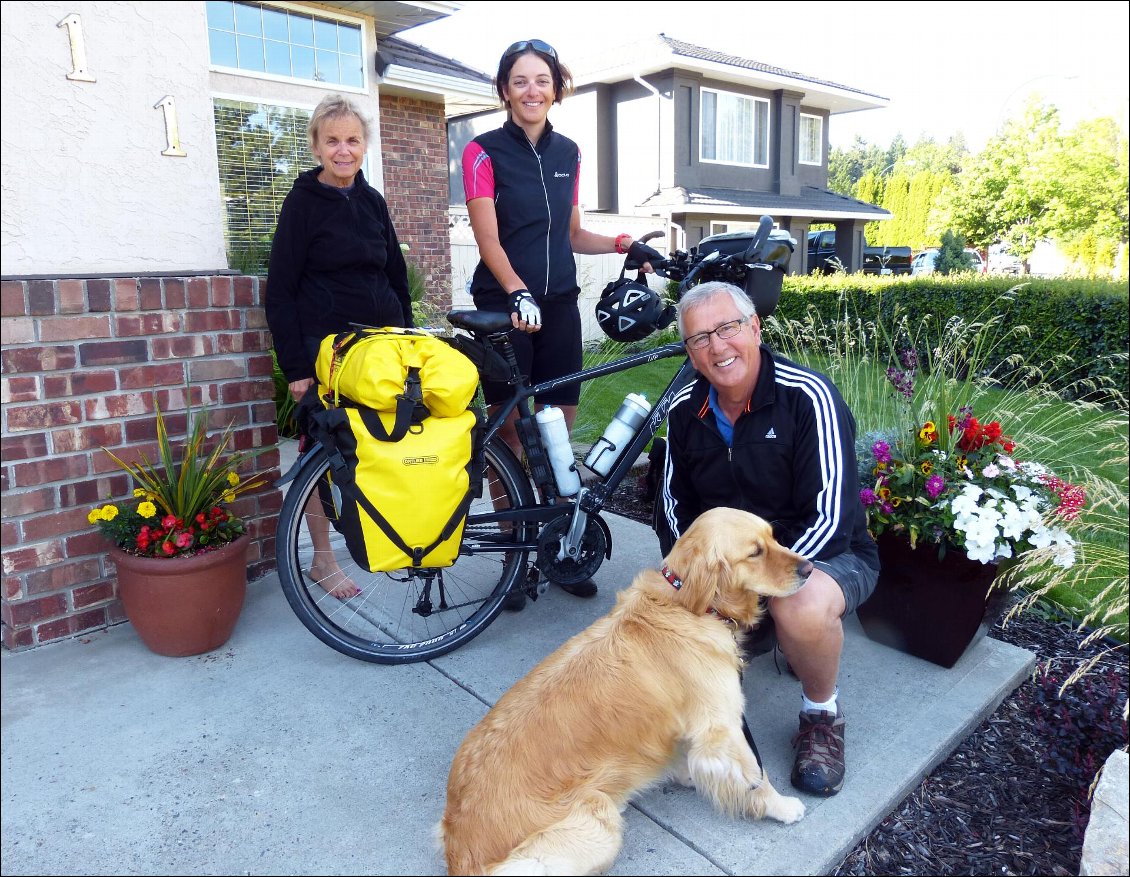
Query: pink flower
(935,484)
(184,540)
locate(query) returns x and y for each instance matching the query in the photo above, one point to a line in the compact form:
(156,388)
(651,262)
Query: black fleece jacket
(334,260)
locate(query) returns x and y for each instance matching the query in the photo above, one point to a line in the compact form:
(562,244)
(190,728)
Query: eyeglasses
(726,330)
(536,45)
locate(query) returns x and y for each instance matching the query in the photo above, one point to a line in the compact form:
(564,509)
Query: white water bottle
(555,437)
(618,433)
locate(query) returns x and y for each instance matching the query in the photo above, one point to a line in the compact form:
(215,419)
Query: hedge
(1087,321)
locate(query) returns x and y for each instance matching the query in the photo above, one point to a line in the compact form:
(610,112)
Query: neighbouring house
(146,150)
(706,141)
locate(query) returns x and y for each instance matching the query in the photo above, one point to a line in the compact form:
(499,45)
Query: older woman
(335,260)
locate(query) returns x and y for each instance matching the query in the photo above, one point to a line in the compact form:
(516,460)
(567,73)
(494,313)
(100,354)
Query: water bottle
(555,437)
(618,433)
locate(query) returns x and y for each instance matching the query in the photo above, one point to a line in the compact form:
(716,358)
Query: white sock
(812,706)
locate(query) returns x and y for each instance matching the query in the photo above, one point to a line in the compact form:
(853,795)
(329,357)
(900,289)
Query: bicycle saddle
(486,322)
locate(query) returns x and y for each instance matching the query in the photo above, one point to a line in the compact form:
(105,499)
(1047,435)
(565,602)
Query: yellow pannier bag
(400,432)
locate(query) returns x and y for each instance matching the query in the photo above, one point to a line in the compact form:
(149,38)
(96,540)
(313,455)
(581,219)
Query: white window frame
(802,141)
(753,134)
(310,12)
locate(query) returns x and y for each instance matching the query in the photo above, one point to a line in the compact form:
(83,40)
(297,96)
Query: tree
(1002,193)
(1087,211)
(847,166)
(1031,182)
(951,255)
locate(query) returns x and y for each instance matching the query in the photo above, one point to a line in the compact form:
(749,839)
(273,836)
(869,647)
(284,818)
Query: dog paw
(682,776)
(786,810)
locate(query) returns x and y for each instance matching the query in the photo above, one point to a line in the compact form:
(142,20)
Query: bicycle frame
(590,500)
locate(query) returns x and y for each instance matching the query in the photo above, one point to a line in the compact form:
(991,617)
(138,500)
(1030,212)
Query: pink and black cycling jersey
(534,190)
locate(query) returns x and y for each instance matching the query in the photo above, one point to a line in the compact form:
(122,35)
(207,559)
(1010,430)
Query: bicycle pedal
(536,583)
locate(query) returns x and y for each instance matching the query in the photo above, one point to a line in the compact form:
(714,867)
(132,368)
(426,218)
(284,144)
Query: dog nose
(804,569)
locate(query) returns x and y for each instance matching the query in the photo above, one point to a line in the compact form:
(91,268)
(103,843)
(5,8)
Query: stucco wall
(85,187)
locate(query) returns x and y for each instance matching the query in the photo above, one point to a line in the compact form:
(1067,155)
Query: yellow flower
(147,509)
(928,433)
(138,492)
(109,512)
(895,502)
(926,467)
(229,496)
(95,516)
(233,479)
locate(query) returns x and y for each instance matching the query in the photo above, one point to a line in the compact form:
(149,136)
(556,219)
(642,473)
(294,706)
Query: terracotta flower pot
(184,605)
(930,608)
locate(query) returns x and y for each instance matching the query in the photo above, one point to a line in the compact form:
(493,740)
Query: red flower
(200,518)
(168,548)
(168,522)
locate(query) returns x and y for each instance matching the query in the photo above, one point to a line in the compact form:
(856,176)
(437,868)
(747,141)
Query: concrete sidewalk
(277,755)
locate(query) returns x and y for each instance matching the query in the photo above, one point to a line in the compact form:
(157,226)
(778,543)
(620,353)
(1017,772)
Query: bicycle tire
(383,624)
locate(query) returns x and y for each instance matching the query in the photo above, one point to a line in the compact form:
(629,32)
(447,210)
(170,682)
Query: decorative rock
(1104,844)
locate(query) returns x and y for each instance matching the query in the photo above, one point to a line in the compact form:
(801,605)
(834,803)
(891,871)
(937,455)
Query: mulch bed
(1014,797)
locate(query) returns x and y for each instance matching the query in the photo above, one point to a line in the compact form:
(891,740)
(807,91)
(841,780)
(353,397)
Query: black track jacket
(334,260)
(792,463)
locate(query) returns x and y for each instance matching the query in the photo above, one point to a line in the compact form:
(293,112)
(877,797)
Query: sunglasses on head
(536,45)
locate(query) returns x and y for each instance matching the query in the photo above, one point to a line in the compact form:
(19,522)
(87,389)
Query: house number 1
(79,73)
(172,133)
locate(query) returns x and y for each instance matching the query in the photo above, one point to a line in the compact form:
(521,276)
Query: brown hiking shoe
(819,744)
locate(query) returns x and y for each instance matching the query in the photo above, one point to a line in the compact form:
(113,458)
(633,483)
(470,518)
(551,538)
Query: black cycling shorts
(551,352)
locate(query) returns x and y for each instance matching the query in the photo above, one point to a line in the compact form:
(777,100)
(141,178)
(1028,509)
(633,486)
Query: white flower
(991,471)
(1006,463)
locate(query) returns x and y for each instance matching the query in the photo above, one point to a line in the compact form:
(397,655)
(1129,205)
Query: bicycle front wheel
(405,615)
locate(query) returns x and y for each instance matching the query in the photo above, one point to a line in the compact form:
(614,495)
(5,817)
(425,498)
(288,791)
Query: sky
(945,67)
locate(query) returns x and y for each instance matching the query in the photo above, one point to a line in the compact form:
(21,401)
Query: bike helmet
(630,311)
(764,278)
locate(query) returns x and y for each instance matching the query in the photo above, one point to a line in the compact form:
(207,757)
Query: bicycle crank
(595,546)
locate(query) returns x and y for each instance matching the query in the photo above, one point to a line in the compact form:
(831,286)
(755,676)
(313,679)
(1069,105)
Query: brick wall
(80,365)
(414,152)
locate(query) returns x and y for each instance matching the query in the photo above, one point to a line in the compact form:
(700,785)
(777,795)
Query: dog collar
(677,584)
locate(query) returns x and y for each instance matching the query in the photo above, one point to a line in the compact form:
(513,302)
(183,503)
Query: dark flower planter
(930,608)
(184,605)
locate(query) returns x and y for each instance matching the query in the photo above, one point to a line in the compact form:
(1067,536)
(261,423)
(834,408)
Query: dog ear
(704,570)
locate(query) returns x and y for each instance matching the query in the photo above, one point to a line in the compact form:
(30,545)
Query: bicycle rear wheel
(405,615)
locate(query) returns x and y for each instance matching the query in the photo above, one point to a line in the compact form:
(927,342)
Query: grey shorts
(855,578)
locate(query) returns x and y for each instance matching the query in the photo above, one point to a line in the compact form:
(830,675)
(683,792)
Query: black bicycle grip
(753,251)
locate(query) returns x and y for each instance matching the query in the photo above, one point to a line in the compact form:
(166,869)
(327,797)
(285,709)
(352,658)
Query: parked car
(1003,262)
(876,260)
(923,263)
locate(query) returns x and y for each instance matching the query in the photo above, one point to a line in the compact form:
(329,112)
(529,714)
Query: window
(261,149)
(734,129)
(730,225)
(811,147)
(255,38)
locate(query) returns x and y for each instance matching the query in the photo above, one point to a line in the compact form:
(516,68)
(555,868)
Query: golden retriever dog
(652,688)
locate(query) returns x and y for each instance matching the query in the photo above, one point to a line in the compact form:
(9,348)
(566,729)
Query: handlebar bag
(401,433)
